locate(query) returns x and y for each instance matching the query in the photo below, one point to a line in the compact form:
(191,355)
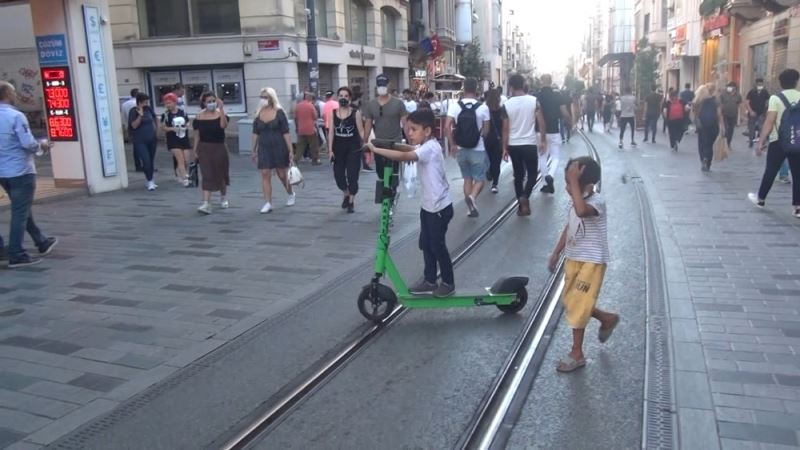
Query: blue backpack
(789,128)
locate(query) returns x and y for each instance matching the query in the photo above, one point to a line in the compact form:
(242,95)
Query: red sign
(680,33)
(58,103)
(270,45)
(716,22)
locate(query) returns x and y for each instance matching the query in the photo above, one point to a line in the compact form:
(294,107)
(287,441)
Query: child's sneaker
(444,290)
(423,287)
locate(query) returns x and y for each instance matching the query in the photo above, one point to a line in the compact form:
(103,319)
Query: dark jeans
(705,142)
(775,158)
(137,163)
(524,159)
(675,131)
(146,151)
(590,115)
(380,164)
(650,126)
(495,154)
(433,243)
(623,123)
(730,125)
(566,129)
(346,169)
(20,191)
(754,124)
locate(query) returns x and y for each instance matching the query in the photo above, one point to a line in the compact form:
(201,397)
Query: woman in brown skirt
(209,146)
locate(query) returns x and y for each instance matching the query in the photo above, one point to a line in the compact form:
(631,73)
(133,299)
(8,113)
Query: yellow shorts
(582,283)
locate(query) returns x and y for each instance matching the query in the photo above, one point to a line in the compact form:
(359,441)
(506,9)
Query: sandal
(604,334)
(569,364)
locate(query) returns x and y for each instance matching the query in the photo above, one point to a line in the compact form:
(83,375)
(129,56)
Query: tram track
(490,418)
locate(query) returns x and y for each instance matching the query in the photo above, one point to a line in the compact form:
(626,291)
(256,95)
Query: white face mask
(730,88)
(211,106)
(383,90)
(263,103)
(759,87)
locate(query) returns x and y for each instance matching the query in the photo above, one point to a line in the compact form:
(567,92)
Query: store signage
(716,22)
(270,45)
(780,28)
(680,33)
(52,50)
(100,87)
(420,73)
(59,106)
(359,54)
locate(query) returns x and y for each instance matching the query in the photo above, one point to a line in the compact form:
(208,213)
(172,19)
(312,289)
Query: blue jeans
(473,164)
(20,191)
(146,151)
(650,126)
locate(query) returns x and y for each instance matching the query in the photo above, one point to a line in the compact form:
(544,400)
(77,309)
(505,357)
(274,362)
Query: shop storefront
(715,63)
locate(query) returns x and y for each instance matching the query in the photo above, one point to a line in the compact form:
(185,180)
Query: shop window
(185,18)
(389,27)
(321,17)
(356,18)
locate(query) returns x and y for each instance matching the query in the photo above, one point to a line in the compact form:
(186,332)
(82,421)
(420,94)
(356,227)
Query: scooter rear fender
(508,285)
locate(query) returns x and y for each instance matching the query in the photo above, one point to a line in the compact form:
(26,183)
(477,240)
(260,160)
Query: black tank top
(345,132)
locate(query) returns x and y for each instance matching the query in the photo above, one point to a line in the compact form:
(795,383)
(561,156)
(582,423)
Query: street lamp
(311,44)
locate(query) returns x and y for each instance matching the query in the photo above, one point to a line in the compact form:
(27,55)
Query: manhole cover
(11,312)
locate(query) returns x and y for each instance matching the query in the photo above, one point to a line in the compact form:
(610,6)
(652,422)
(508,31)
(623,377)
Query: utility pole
(311,45)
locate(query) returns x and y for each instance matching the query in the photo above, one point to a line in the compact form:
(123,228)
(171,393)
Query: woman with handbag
(272,146)
(210,150)
(344,147)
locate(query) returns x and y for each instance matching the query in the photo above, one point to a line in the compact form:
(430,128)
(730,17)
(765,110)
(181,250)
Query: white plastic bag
(410,179)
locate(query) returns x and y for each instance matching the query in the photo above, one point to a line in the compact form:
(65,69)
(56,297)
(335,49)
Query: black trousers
(623,123)
(730,125)
(590,115)
(433,243)
(525,161)
(146,151)
(346,169)
(705,142)
(495,154)
(775,158)
(675,131)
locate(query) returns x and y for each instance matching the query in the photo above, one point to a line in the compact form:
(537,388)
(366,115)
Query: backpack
(494,137)
(708,113)
(675,111)
(789,128)
(467,133)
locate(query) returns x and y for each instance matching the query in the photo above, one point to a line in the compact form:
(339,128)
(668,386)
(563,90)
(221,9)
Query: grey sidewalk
(141,285)
(734,295)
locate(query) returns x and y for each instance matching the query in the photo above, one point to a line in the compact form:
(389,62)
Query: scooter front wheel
(519,302)
(376,304)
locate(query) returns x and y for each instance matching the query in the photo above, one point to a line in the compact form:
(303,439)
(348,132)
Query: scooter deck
(456,301)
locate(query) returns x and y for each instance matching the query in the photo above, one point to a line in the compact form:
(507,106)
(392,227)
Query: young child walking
(437,207)
(584,243)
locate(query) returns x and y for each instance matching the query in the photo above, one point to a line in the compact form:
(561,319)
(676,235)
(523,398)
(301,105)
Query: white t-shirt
(521,111)
(432,177)
(587,237)
(127,106)
(411,106)
(481,115)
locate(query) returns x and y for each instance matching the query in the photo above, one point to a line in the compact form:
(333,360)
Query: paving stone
(22,445)
(39,406)
(44,345)
(62,392)
(138,361)
(747,402)
(8,437)
(758,433)
(735,444)
(689,356)
(692,390)
(21,422)
(15,381)
(229,314)
(770,391)
(693,426)
(72,421)
(96,382)
(24,371)
(726,414)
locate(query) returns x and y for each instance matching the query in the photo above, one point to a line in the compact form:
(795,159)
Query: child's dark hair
(345,89)
(591,170)
(423,117)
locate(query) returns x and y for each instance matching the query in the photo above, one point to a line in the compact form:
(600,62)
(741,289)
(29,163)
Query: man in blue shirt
(18,179)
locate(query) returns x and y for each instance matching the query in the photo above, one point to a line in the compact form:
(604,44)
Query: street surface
(153,327)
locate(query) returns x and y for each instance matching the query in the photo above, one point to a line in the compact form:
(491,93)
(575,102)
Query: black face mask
(344,103)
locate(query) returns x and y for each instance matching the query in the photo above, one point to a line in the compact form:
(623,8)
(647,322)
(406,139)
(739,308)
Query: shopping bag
(295,177)
(721,150)
(410,179)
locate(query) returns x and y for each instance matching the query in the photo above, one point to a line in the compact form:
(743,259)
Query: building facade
(487,28)
(236,47)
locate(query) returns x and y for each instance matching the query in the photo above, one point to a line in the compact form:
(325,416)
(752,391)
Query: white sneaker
(225,204)
(266,208)
(205,208)
(291,200)
(753,197)
(185,182)
(151,186)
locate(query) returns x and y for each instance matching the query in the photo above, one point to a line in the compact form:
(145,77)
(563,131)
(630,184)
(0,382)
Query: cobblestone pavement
(141,285)
(734,296)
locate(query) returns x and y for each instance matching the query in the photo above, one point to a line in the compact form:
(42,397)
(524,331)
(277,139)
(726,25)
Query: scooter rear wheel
(378,305)
(519,302)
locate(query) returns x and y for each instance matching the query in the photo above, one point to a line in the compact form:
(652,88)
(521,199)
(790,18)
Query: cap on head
(382,80)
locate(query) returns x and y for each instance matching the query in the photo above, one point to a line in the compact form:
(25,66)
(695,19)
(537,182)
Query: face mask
(383,90)
(212,106)
(730,88)
(759,87)
(344,103)
(263,103)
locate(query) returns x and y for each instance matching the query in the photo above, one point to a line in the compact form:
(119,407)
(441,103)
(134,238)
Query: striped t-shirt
(587,237)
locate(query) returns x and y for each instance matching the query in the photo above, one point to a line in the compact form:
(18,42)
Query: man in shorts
(472,158)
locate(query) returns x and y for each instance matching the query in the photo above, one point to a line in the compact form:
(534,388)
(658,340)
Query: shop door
(358,80)
(758,60)
(778,62)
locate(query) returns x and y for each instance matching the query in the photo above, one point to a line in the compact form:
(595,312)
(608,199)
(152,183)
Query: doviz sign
(52,50)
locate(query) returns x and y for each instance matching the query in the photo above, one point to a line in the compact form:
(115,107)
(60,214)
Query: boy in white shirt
(437,207)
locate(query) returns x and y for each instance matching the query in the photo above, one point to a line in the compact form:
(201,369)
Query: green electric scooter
(377,301)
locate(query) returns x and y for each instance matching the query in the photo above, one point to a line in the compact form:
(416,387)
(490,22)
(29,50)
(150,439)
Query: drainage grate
(658,428)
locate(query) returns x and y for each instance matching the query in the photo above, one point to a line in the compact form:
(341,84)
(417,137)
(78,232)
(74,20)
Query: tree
(645,66)
(471,61)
